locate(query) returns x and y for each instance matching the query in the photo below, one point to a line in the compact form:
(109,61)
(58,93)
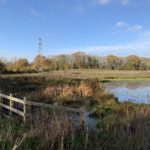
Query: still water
(135,91)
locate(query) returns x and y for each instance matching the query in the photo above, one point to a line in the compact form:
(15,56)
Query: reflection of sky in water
(138,92)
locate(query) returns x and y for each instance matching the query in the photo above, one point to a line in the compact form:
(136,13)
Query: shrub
(105,98)
(101,111)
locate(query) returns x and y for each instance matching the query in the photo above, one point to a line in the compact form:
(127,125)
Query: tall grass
(120,126)
(49,131)
(124,126)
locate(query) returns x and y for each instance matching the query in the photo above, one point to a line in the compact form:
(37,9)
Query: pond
(134,91)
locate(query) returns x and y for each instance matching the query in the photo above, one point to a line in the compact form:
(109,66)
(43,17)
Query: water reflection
(136,91)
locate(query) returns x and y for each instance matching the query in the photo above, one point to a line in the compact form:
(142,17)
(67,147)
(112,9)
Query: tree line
(78,60)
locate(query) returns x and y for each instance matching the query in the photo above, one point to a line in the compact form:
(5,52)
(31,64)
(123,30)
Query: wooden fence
(24,102)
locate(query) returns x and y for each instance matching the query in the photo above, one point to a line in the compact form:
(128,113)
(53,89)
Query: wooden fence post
(0,101)
(55,106)
(24,109)
(82,117)
(62,143)
(86,138)
(29,106)
(11,104)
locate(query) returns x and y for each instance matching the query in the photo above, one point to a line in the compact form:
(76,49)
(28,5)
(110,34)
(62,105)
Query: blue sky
(99,27)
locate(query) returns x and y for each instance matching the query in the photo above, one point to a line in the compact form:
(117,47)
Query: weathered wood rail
(24,102)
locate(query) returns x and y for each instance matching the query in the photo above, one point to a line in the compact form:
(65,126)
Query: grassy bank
(89,74)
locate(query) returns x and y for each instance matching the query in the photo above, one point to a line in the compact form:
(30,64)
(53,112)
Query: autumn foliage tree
(40,63)
(113,62)
(133,62)
(2,66)
(20,65)
(78,60)
(62,62)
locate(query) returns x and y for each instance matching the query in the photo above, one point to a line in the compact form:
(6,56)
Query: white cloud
(139,47)
(120,24)
(121,2)
(36,13)
(104,2)
(136,28)
(127,27)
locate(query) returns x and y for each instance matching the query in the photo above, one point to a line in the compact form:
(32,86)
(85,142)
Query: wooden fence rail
(26,103)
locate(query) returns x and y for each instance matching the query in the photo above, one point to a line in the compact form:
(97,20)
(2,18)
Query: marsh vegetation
(118,125)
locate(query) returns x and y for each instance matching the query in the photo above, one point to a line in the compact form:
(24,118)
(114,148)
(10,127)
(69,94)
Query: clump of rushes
(101,111)
(73,92)
(81,92)
(105,98)
(57,131)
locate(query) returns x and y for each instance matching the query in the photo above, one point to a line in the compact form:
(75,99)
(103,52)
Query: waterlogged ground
(135,91)
(116,126)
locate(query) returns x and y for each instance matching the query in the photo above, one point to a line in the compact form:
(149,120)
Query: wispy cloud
(79,9)
(125,2)
(127,27)
(107,2)
(121,2)
(139,47)
(104,2)
(2,1)
(36,13)
(120,24)
(136,28)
